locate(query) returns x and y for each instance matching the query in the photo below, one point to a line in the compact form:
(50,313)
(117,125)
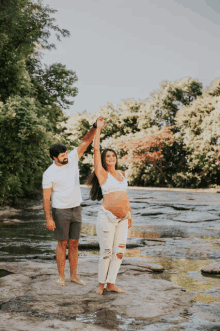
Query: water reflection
(205,298)
(136,233)
(90,230)
(108,319)
(23,250)
(186,273)
(134,253)
(128,253)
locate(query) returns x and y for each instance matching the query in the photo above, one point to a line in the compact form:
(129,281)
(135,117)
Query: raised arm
(99,170)
(87,139)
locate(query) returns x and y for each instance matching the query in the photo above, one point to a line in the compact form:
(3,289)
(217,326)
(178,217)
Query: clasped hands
(100,122)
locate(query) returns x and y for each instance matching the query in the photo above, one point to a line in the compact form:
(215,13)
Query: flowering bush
(148,149)
(200,134)
(151,152)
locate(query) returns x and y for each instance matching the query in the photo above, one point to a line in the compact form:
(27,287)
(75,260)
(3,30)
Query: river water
(182,231)
(156,214)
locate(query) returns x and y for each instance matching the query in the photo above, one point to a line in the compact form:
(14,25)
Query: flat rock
(150,242)
(213,268)
(8,211)
(31,300)
(10,221)
(88,243)
(195,217)
(141,265)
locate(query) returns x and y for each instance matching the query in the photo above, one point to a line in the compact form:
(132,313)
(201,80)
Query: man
(61,183)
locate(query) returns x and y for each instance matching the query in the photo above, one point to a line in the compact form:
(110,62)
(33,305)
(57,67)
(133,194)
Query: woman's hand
(100,123)
(130,222)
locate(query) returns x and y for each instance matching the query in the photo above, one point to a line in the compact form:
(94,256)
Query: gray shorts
(68,223)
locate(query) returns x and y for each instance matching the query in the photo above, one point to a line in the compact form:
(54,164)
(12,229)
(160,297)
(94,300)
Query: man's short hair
(56,149)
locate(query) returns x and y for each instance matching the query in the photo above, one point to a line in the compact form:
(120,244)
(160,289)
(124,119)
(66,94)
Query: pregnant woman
(114,217)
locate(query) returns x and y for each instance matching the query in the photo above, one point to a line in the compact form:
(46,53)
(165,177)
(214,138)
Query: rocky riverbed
(170,271)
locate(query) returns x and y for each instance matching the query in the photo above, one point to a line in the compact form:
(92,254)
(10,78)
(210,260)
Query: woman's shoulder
(102,177)
(122,172)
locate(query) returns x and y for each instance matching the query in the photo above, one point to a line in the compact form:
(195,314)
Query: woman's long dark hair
(95,191)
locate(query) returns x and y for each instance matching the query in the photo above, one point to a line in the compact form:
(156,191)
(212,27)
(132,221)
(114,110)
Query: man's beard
(65,161)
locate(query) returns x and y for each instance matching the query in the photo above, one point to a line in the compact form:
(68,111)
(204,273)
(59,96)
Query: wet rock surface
(11,221)
(31,300)
(30,296)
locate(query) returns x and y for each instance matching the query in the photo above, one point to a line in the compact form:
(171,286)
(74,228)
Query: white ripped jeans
(112,234)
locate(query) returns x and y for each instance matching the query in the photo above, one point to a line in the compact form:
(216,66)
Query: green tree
(161,107)
(32,96)
(24,147)
(52,86)
(24,26)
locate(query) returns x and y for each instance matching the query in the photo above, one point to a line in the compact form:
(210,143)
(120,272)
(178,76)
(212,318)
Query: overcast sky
(123,49)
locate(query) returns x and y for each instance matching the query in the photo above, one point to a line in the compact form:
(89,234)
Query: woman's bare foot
(113,288)
(77,280)
(100,288)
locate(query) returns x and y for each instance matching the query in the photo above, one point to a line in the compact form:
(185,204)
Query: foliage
(153,153)
(24,26)
(52,84)
(200,123)
(23,148)
(171,137)
(148,149)
(161,107)
(214,88)
(32,96)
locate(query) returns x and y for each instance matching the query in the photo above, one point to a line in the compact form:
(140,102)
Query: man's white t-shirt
(64,181)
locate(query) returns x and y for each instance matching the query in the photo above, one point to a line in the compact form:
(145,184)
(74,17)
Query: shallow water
(156,214)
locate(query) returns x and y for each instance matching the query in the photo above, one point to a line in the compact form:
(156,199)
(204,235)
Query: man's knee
(73,243)
(62,244)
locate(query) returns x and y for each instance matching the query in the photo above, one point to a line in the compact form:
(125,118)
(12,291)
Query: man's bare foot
(100,289)
(77,280)
(60,281)
(113,288)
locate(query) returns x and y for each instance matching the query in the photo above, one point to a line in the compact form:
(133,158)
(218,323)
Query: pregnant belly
(117,203)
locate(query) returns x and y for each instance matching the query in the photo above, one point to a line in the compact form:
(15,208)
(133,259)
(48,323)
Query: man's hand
(130,222)
(100,122)
(50,225)
(86,141)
